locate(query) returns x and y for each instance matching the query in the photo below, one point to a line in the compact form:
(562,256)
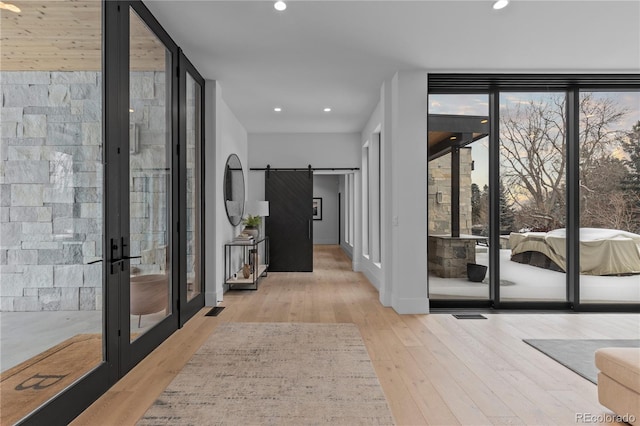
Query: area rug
(275,374)
(579,355)
(29,384)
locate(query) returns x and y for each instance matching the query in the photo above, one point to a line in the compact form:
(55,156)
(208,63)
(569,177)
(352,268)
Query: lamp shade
(257,208)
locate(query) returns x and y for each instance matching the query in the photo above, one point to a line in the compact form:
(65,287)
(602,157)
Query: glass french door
(147,185)
(156,245)
(95,191)
(55,344)
(494,220)
(191,97)
(532,204)
(161,275)
(150,178)
(458,198)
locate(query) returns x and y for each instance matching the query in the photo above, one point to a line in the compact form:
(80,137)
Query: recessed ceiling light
(500,4)
(485,121)
(277,109)
(10,7)
(130,109)
(280,5)
(453,138)
(327,110)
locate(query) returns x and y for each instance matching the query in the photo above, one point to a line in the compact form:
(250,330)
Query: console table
(255,254)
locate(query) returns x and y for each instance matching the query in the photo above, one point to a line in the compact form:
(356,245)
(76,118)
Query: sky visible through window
(478,104)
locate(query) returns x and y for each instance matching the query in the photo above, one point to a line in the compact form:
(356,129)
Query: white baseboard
(347,249)
(410,305)
(372,273)
(385,298)
(325,241)
(212,299)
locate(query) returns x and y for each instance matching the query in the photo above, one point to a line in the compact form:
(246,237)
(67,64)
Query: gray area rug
(275,374)
(579,355)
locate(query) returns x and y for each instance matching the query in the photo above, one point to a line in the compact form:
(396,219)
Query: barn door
(290,221)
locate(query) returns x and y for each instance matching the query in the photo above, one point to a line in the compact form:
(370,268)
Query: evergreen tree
(507,214)
(632,147)
(631,182)
(475,204)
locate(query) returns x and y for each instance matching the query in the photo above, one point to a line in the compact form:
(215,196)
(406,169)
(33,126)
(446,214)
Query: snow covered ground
(530,283)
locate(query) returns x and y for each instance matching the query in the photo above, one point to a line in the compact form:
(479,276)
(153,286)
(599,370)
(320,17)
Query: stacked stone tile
(440,181)
(51,183)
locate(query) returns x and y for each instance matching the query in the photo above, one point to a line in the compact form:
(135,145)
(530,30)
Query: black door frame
(131,353)
(120,355)
(189,308)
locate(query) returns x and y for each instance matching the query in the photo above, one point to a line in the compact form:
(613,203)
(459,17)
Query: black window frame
(571,84)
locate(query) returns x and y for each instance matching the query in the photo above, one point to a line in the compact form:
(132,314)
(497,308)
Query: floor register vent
(215,311)
(469,316)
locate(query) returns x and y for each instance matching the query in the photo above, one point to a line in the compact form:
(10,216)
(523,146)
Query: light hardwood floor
(434,369)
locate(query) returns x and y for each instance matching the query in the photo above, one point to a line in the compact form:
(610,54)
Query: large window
(366,208)
(609,197)
(375,205)
(371,207)
(532,194)
(458,196)
(561,207)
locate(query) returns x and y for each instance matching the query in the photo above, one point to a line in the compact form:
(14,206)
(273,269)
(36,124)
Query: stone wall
(51,191)
(439,214)
(51,182)
(150,175)
(193,184)
(448,257)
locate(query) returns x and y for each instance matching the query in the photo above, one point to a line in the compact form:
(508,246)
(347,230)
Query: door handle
(309,229)
(116,261)
(121,262)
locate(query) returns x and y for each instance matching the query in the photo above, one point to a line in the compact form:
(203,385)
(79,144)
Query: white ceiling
(337,53)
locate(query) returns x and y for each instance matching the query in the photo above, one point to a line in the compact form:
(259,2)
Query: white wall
(409,192)
(298,150)
(224,136)
(325,231)
(302,149)
(401,113)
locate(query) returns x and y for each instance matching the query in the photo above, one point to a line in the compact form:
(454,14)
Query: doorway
(106,259)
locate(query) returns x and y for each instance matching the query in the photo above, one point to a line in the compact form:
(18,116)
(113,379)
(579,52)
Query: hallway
(434,369)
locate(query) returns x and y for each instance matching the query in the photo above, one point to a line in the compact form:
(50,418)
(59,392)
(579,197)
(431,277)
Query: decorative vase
(246,270)
(252,230)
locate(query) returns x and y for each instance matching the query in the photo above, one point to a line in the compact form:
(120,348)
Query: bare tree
(598,140)
(533,146)
(606,204)
(533,153)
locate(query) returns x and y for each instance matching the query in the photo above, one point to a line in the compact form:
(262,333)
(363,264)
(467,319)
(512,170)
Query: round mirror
(234,189)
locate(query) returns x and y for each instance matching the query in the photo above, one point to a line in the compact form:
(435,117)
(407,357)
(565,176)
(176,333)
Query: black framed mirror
(234,189)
